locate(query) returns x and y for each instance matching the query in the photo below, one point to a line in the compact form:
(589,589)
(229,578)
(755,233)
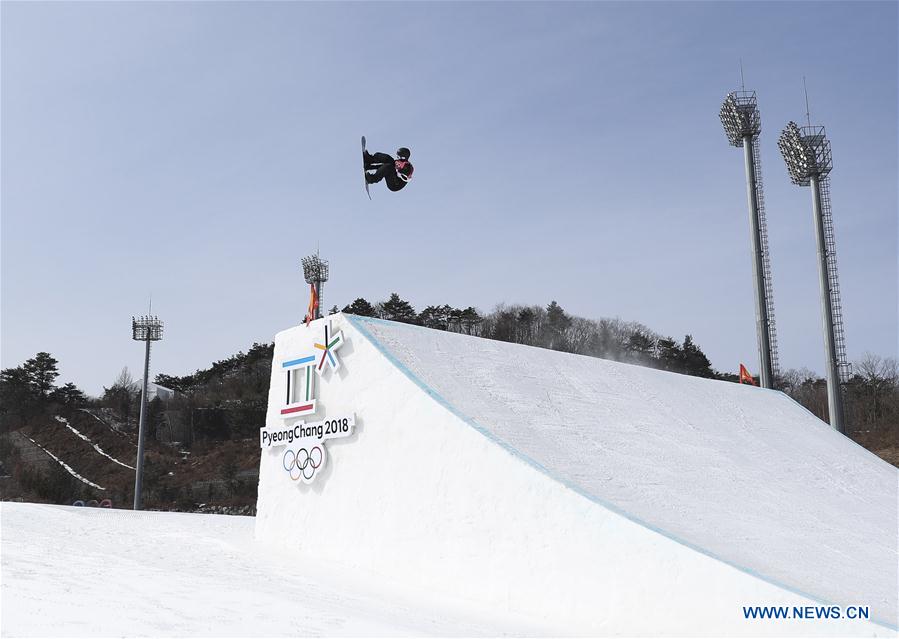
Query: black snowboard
(363,169)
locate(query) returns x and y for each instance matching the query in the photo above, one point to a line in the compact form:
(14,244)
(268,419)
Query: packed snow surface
(98,572)
(742,474)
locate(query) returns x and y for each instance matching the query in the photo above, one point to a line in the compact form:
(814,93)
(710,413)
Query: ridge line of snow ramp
(591,496)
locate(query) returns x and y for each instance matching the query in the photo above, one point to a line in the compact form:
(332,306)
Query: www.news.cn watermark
(835,613)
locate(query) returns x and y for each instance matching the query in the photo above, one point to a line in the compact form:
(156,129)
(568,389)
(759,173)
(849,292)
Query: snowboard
(363,169)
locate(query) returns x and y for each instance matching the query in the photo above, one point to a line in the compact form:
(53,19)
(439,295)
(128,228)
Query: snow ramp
(591,496)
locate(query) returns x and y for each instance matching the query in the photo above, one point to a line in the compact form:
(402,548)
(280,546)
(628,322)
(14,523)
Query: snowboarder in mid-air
(381,166)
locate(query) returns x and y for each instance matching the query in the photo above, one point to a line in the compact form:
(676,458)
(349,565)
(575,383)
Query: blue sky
(567,151)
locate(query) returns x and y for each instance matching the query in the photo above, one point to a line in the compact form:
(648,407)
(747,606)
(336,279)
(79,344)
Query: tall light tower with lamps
(742,123)
(806,150)
(315,272)
(146,328)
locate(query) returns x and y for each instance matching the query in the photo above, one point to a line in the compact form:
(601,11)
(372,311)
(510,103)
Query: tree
(470,318)
(122,395)
(806,388)
(526,320)
(641,346)
(435,317)
(397,310)
(557,322)
(68,395)
(181,384)
(454,320)
(580,335)
(695,361)
(17,397)
(503,325)
(671,357)
(360,307)
(878,376)
(605,341)
(42,372)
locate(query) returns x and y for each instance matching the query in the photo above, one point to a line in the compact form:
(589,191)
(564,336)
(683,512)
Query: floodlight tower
(146,328)
(807,153)
(315,270)
(742,123)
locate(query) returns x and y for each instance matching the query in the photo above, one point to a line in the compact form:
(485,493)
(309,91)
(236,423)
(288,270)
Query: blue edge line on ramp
(359,322)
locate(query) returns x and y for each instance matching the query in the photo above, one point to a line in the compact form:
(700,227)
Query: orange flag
(745,377)
(313,305)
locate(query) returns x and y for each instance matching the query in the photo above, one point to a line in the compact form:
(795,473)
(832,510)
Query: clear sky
(567,151)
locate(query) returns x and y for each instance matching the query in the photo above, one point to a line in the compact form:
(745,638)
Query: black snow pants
(384,169)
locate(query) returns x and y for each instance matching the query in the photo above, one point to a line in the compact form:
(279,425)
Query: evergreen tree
(360,307)
(526,319)
(641,346)
(16,393)
(695,361)
(69,395)
(397,310)
(469,319)
(454,320)
(557,322)
(671,357)
(435,317)
(181,384)
(42,373)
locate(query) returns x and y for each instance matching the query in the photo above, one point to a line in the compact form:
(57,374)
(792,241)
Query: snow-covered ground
(96,572)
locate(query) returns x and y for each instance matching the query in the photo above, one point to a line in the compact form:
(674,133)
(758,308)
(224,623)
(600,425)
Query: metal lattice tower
(809,161)
(742,124)
(766,261)
(315,271)
(146,328)
(833,281)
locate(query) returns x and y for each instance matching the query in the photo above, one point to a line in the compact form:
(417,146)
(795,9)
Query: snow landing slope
(98,572)
(593,496)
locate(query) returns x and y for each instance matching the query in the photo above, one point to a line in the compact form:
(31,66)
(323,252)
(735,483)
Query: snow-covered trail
(80,435)
(65,466)
(91,572)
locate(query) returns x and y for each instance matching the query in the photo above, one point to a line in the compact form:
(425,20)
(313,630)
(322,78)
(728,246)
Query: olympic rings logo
(303,463)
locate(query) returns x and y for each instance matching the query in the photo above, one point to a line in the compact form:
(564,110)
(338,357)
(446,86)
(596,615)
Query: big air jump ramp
(590,496)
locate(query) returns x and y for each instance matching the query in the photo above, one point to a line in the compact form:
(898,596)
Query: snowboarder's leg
(375,176)
(394,183)
(374,159)
(381,171)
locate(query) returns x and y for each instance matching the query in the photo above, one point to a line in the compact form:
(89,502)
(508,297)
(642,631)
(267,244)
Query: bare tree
(580,334)
(122,395)
(879,377)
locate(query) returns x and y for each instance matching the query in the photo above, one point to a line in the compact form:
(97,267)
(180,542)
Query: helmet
(403,152)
